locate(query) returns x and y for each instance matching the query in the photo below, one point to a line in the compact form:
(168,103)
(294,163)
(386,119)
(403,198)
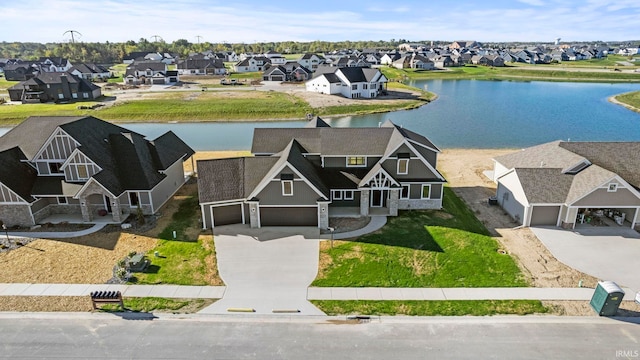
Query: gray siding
(415,191)
(430,156)
(510,204)
(417,170)
(341,162)
(8,196)
(59,148)
(168,186)
(602,198)
(71,172)
(302,194)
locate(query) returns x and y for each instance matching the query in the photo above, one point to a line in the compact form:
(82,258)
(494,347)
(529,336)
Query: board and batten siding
(57,149)
(80,168)
(8,196)
(168,186)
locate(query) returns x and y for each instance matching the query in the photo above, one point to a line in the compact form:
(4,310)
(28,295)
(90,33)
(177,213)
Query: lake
(467,114)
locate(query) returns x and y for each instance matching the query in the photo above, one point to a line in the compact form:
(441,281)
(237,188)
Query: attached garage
(288,216)
(277,78)
(544,215)
(226,215)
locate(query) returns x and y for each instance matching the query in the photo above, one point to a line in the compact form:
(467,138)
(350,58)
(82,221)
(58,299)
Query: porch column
(364,202)
(116,211)
(84,208)
(394,196)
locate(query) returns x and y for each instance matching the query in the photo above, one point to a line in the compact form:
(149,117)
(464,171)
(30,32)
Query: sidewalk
(376,223)
(56,234)
(313,293)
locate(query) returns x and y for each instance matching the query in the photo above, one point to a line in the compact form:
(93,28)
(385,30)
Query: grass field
(448,248)
(14,114)
(432,308)
(210,105)
(632,99)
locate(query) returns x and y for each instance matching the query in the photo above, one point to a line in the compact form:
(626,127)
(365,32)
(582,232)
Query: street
(104,336)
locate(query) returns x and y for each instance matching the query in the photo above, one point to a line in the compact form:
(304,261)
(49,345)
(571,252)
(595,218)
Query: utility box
(607,298)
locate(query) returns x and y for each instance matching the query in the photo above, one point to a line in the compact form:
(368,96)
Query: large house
(350,82)
(569,184)
(150,73)
(87,168)
(301,176)
(54,86)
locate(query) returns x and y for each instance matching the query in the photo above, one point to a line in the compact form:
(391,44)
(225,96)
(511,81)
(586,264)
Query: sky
(249,21)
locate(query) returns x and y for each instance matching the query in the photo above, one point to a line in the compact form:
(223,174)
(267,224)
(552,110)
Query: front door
(107,204)
(377,198)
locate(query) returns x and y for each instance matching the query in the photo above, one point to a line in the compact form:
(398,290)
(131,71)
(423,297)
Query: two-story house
(54,86)
(302,176)
(310,61)
(150,73)
(85,168)
(251,64)
(350,82)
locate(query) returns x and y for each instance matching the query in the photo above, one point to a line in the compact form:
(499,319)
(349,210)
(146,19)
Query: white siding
(167,187)
(511,197)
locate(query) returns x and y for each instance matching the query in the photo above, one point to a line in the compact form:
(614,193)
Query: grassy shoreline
(630,100)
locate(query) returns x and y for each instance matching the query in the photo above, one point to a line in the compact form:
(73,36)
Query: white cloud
(532,2)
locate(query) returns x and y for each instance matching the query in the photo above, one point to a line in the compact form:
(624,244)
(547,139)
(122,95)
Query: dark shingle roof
(17,175)
(169,148)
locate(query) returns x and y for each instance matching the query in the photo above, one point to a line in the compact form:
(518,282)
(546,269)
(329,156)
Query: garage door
(307,216)
(225,215)
(277,78)
(545,215)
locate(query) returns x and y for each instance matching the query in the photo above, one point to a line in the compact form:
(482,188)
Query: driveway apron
(609,255)
(266,270)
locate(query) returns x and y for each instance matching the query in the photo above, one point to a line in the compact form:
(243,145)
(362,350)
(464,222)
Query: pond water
(467,114)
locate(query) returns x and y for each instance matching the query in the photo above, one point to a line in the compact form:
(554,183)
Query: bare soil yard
(463,169)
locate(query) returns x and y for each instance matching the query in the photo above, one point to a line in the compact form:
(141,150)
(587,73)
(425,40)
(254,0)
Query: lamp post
(331,230)
(6,232)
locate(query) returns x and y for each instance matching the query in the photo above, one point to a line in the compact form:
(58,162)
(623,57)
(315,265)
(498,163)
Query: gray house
(54,86)
(571,184)
(301,176)
(86,168)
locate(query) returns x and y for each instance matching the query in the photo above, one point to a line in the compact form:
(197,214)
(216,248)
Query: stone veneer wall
(13,215)
(323,220)
(417,204)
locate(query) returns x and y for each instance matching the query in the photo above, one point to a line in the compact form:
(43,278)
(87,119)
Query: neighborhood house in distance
(302,176)
(571,184)
(85,168)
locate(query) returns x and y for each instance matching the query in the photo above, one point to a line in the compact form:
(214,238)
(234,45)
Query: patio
(76,219)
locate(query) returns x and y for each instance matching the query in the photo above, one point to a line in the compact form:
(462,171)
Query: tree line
(111,53)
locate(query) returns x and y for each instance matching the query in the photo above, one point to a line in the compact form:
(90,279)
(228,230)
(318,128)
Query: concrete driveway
(266,269)
(605,254)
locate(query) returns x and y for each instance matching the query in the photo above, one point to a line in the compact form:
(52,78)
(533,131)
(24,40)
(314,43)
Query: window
(134,199)
(426,191)
(403,166)
(612,187)
(85,95)
(54,168)
(287,187)
(348,194)
(82,172)
(74,95)
(336,194)
(365,86)
(404,193)
(62,200)
(356,161)
(354,87)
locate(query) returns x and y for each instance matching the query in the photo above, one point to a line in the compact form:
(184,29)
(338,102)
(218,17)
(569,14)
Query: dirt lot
(463,169)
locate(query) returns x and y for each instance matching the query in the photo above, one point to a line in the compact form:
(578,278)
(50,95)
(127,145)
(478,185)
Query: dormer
(79,167)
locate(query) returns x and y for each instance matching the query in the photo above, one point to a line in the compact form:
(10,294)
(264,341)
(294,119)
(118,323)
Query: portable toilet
(606,298)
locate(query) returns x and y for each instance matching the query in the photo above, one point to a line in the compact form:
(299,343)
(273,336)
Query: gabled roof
(16,174)
(317,122)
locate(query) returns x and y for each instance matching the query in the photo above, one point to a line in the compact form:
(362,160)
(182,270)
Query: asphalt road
(106,337)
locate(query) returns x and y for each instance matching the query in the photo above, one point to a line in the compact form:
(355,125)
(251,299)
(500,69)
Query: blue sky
(327,20)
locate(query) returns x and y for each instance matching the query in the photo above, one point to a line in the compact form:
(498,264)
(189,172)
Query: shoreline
(613,99)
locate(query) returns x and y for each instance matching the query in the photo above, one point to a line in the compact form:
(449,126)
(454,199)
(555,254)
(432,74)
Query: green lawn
(4,84)
(157,304)
(631,99)
(431,308)
(14,114)
(448,248)
(200,106)
(510,72)
(187,259)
